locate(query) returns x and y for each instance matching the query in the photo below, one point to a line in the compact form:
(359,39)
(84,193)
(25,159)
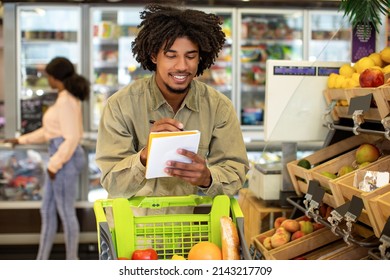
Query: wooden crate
(296,247)
(338,250)
(347,189)
(343,96)
(333,198)
(379,206)
(382,99)
(300,176)
(259,217)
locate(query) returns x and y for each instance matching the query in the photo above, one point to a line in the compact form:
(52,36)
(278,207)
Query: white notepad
(163,147)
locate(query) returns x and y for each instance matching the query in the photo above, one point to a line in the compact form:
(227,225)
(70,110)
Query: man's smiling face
(176,68)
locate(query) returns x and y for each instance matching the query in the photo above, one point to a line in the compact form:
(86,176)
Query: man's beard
(178,91)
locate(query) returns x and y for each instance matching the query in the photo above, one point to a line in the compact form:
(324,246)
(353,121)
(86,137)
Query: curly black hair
(161,25)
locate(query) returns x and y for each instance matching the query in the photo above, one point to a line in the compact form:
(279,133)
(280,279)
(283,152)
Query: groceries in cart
(214,235)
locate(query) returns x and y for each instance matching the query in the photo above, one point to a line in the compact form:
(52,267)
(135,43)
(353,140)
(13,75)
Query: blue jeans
(59,196)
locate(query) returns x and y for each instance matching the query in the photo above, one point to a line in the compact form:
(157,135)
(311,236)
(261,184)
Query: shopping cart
(168,234)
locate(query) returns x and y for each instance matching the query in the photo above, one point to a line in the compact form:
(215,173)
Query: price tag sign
(339,212)
(355,208)
(315,192)
(360,103)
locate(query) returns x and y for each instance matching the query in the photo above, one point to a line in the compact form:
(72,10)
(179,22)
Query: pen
(153,121)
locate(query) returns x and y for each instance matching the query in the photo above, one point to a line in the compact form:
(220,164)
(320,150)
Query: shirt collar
(191,101)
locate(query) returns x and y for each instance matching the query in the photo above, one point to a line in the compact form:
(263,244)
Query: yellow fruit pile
(348,76)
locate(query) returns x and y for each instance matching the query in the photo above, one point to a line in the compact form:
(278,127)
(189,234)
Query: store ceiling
(224,3)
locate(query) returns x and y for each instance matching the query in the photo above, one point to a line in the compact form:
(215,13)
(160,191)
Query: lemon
(377,67)
(346,70)
(376,57)
(385,54)
(345,82)
(340,80)
(332,80)
(355,77)
(363,64)
(177,257)
(342,102)
(353,83)
(386,69)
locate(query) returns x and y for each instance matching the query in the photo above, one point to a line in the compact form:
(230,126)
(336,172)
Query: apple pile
(365,154)
(286,230)
(368,71)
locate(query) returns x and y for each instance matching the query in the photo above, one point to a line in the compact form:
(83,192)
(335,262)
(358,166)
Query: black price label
(315,191)
(360,103)
(339,212)
(355,208)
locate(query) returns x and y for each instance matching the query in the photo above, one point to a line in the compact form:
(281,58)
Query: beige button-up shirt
(124,130)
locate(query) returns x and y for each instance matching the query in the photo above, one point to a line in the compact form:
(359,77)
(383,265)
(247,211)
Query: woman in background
(62,127)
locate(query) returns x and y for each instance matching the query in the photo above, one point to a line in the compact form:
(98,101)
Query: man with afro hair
(176,45)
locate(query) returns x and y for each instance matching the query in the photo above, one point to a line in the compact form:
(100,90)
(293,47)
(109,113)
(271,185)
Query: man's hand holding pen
(196,172)
(165,124)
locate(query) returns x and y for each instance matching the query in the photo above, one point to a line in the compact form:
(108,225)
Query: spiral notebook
(163,146)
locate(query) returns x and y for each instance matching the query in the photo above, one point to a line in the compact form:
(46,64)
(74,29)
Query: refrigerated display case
(253,36)
(330,36)
(43,32)
(38,34)
(221,74)
(264,34)
(112,63)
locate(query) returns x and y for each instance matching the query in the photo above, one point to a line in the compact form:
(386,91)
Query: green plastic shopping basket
(168,234)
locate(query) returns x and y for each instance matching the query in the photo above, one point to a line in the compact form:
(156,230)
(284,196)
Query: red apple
(278,221)
(317,226)
(371,77)
(297,234)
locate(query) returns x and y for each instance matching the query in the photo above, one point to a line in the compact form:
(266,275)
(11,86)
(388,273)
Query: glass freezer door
(330,36)
(264,34)
(112,63)
(43,33)
(221,75)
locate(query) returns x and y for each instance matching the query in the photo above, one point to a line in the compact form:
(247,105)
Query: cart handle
(157,202)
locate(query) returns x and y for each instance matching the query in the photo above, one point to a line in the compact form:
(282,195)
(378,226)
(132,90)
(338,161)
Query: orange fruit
(205,250)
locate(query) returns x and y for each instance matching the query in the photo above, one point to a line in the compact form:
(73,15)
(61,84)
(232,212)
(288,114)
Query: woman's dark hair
(162,25)
(63,70)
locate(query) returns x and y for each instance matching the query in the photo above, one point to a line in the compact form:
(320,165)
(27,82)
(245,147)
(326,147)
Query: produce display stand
(168,234)
(358,218)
